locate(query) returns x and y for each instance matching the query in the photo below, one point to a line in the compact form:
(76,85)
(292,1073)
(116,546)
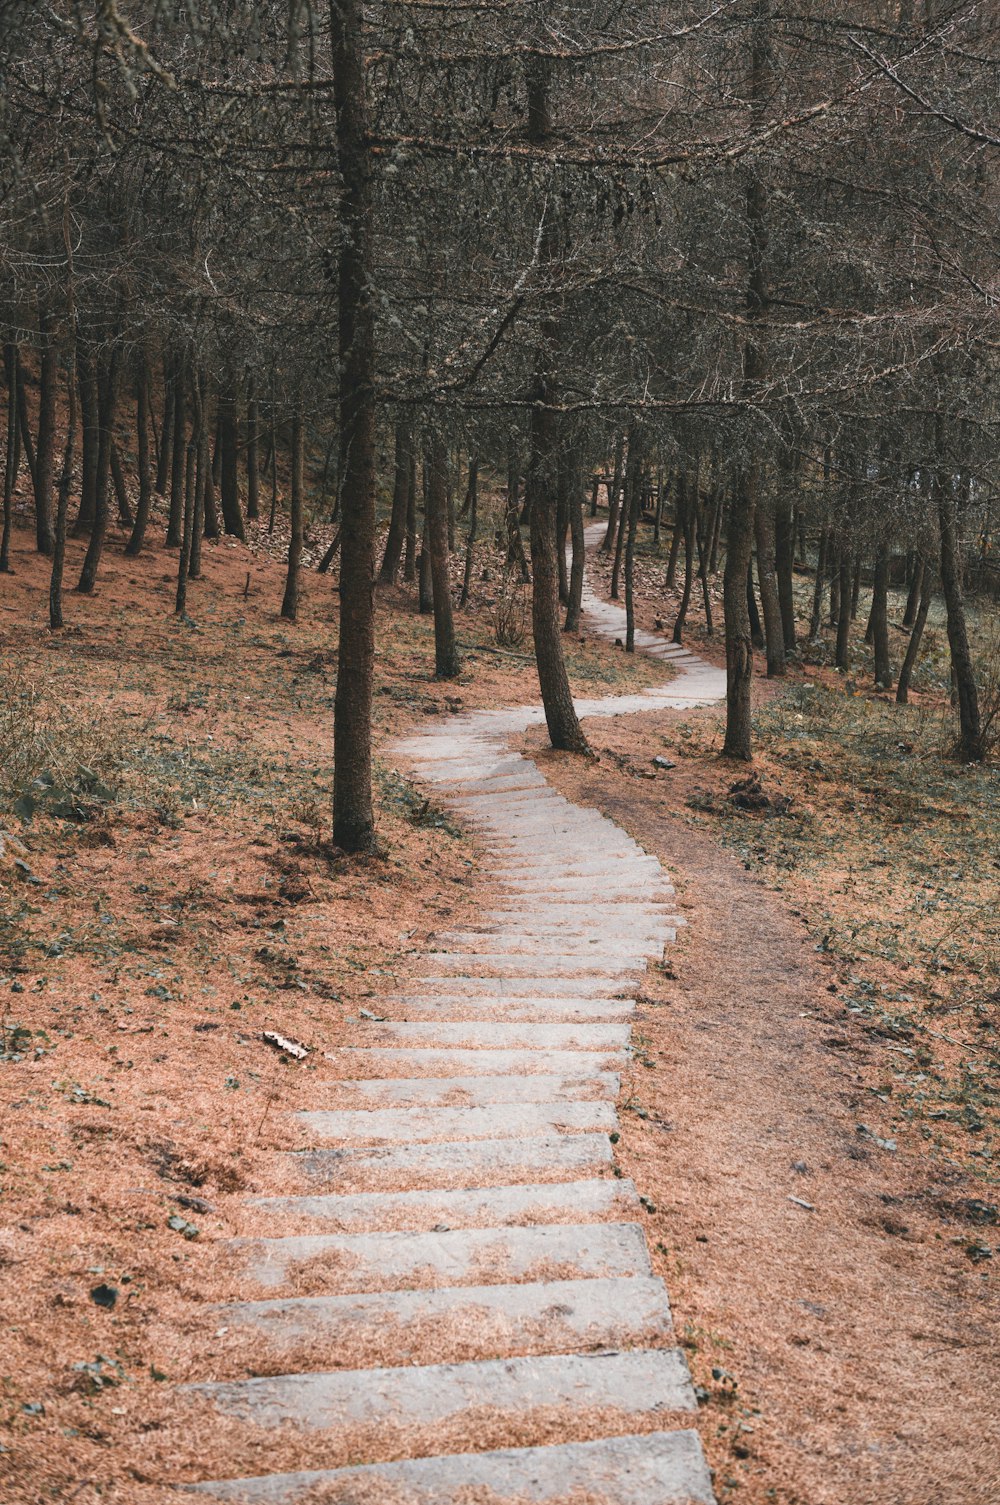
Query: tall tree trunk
(970,740)
(687,502)
(542,487)
(425,585)
(397,521)
(916,632)
(410,542)
(706,520)
(471,507)
(290,603)
(134,545)
(175,517)
(199,387)
(629,526)
(595,487)
(11,458)
(843,654)
(187,528)
(880,620)
(614,496)
(46,448)
(739,642)
(353,818)
(90,440)
(166,446)
(125,517)
(577,537)
(65,481)
(107,399)
(253,450)
(229,440)
(562,529)
(756,626)
(446,660)
(784,569)
(515,543)
(774,635)
(916,589)
(816,618)
(677,533)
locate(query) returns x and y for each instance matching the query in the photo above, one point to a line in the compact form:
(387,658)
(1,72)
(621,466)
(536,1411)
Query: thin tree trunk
(629,525)
(134,545)
(90,440)
(595,487)
(756,626)
(353,817)
(614,496)
(165,449)
(107,398)
(843,654)
(187,528)
(175,516)
(290,603)
(397,521)
(446,660)
(253,466)
(578,540)
(880,620)
(410,542)
(562,529)
(45,451)
(970,742)
(125,516)
(739,642)
(704,526)
(680,504)
(686,520)
(425,586)
(515,543)
(10,463)
(816,618)
(916,632)
(199,387)
(65,481)
(773,623)
(855,586)
(472,508)
(229,496)
(916,590)
(784,569)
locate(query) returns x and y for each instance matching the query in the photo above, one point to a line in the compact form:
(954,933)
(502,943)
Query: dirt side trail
(847,1349)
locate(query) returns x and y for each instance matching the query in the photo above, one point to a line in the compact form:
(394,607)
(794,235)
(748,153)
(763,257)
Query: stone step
(513,964)
(551,1157)
(495,1121)
(659,1468)
(456,1323)
(439,1061)
(524,986)
(495,1036)
(551,1201)
(386,1261)
(457,1006)
(470,1092)
(635,1383)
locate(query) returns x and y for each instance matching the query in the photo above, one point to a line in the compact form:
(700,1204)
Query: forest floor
(171,896)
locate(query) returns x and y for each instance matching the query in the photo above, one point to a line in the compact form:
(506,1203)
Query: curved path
(485,1116)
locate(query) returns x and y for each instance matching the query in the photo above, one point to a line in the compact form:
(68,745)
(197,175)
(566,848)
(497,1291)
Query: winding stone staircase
(470,1187)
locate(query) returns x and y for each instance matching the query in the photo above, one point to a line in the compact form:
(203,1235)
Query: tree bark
(253,464)
(739,643)
(880,620)
(175,516)
(471,507)
(10,461)
(410,544)
(165,449)
(774,635)
(134,545)
(290,602)
(970,739)
(107,398)
(353,816)
(446,660)
(916,590)
(686,522)
(614,496)
(229,494)
(784,567)
(62,496)
(400,495)
(916,632)
(46,447)
(629,525)
(90,440)
(816,618)
(578,541)
(125,517)
(843,654)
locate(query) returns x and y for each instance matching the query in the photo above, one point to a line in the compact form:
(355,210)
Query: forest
(499,534)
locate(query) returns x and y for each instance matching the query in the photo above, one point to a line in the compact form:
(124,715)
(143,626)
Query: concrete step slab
(456,1007)
(386,1261)
(411,1061)
(547,1157)
(456,1323)
(471,1091)
(658,1468)
(420,1124)
(545,1202)
(493,1036)
(633,1383)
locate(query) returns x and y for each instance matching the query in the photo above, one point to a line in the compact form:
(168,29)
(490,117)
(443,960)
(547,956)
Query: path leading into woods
(484,1114)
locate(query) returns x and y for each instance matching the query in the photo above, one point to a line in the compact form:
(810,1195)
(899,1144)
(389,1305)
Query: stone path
(468,1187)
